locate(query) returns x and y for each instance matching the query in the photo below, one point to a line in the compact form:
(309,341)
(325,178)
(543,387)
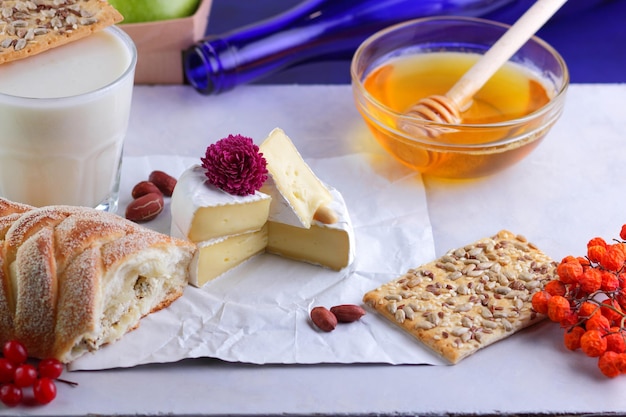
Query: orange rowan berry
(611,310)
(558,308)
(592,343)
(620,297)
(598,322)
(555,287)
(584,261)
(608,364)
(596,327)
(572,337)
(540,302)
(591,280)
(570,319)
(587,309)
(615,341)
(610,282)
(596,241)
(596,253)
(569,272)
(621,362)
(614,257)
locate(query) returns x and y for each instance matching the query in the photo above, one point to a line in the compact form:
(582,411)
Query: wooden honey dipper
(448,108)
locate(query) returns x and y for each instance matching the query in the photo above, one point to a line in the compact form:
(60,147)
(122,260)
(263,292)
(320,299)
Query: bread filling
(134,290)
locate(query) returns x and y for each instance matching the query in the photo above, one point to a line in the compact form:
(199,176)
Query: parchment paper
(259,312)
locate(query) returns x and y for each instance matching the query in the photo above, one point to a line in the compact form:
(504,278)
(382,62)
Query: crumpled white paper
(259,312)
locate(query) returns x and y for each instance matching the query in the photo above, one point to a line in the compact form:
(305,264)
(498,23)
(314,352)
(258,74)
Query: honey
(459,152)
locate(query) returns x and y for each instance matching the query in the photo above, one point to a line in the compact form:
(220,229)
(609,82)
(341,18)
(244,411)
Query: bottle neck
(313,29)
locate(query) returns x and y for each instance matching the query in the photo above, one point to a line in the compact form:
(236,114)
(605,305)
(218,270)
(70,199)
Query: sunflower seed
(424,325)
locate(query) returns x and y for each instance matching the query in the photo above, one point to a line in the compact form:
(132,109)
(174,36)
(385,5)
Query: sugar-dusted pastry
(469,298)
(73,279)
(30,27)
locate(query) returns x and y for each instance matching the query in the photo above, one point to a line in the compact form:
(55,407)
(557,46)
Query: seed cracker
(469,298)
(29,27)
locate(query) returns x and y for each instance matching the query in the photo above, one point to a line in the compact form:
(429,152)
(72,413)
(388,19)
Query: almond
(145,208)
(326,215)
(163,181)
(144,187)
(347,313)
(323,319)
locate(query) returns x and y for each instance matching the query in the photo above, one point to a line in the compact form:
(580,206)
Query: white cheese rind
(328,245)
(296,191)
(281,210)
(201,212)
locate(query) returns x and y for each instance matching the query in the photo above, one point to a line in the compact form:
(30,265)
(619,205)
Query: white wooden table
(570,189)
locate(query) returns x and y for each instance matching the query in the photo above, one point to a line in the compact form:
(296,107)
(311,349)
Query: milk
(63,118)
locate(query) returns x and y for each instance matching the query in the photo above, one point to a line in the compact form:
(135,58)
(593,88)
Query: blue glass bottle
(314,29)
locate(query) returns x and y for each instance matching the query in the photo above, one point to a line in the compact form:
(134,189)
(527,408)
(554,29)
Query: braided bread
(73,279)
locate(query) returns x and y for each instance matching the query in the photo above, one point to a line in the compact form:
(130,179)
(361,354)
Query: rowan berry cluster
(588,299)
(18,374)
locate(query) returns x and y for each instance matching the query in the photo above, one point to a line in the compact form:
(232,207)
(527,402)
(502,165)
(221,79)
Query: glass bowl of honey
(506,119)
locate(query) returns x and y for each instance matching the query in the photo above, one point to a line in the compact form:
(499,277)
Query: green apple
(135,11)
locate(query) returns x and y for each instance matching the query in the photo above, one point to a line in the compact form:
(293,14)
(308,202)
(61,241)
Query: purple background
(589,34)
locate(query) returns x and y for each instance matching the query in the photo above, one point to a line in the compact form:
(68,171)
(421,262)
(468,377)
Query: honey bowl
(506,120)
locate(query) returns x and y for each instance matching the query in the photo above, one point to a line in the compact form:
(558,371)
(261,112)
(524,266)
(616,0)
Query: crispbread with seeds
(28,27)
(469,298)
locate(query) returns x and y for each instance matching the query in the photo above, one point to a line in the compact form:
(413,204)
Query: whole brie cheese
(279,219)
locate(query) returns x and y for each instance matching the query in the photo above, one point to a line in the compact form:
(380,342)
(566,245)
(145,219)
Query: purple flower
(235,165)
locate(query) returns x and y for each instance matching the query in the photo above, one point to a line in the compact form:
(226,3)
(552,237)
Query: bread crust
(74,279)
(31,27)
(469,298)
(9,213)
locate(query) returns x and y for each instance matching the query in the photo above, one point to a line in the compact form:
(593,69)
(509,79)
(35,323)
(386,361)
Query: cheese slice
(296,191)
(328,245)
(201,212)
(218,256)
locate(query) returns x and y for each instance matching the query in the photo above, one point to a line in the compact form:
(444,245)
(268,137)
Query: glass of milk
(63,118)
